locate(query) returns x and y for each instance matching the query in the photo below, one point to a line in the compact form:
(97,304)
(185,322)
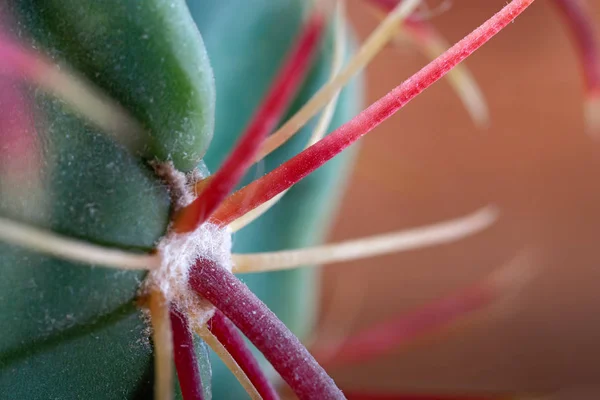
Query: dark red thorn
(587,39)
(281,348)
(231,339)
(282,92)
(184,354)
(301,165)
(389,335)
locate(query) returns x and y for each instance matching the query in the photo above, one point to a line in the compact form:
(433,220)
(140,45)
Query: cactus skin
(147,55)
(98,192)
(74,331)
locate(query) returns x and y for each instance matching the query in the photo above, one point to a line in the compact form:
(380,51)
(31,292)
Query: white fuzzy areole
(179,252)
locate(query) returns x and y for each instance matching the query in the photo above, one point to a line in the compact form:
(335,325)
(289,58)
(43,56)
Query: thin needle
(50,243)
(431,235)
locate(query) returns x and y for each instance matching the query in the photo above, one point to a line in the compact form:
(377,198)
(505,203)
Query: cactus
(118,262)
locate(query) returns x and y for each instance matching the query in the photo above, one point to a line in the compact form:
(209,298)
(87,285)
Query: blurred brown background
(430,163)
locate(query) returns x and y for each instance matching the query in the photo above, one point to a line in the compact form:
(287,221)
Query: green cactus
(75,332)
(99,159)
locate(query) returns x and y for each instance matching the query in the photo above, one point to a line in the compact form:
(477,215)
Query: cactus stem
(284,88)
(300,166)
(404,240)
